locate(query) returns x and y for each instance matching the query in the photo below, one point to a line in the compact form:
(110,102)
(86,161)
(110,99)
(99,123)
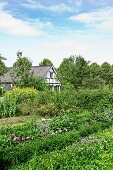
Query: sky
(56,29)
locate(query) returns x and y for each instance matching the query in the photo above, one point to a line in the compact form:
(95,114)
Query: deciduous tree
(21,71)
(46,62)
(3,68)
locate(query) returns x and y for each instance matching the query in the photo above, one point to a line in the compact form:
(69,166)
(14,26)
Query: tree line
(74,71)
(84,74)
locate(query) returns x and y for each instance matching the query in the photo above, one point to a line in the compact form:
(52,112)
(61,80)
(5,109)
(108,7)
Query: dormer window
(51,75)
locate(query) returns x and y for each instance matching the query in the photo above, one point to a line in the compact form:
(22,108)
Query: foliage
(106,72)
(20,153)
(81,71)
(1,90)
(28,101)
(93,83)
(94,69)
(46,62)
(37,83)
(85,156)
(65,71)
(14,97)
(81,74)
(21,72)
(3,68)
(71,148)
(95,99)
(73,70)
(49,103)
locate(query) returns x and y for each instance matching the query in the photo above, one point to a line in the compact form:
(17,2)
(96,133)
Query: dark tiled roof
(6,78)
(39,71)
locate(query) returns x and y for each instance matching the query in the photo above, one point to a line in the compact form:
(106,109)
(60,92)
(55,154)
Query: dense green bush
(64,130)
(78,156)
(14,97)
(94,99)
(28,101)
(15,154)
(64,122)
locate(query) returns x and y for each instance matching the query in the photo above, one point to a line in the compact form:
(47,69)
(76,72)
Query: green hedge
(87,123)
(8,105)
(94,99)
(84,156)
(16,154)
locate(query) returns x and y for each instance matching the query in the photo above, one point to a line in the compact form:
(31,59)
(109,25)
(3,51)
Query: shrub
(68,122)
(94,99)
(14,97)
(16,154)
(78,156)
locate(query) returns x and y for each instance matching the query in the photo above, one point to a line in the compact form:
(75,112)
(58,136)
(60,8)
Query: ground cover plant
(68,139)
(27,101)
(71,136)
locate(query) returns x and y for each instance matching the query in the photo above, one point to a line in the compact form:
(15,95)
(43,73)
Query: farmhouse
(48,73)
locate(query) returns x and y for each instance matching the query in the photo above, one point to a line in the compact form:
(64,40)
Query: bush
(68,122)
(78,156)
(14,97)
(16,154)
(94,99)
(73,128)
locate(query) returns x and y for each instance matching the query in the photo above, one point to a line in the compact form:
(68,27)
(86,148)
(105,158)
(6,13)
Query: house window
(51,74)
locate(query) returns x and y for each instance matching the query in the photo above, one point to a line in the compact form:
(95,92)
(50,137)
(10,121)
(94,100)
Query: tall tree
(21,71)
(3,68)
(94,80)
(74,70)
(65,70)
(95,70)
(81,71)
(46,62)
(107,72)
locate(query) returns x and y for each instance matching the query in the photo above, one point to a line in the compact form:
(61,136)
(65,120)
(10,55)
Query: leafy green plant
(94,99)
(14,97)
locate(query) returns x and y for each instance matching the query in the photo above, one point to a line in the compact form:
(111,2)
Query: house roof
(39,71)
(6,78)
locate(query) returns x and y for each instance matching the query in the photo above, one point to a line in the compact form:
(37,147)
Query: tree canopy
(3,68)
(46,62)
(74,70)
(21,71)
(23,76)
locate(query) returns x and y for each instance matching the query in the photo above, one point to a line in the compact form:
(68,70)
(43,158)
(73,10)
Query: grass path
(16,120)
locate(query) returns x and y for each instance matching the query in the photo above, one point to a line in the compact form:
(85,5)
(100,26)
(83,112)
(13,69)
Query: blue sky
(56,29)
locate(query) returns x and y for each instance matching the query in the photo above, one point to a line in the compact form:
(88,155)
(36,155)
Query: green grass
(14,121)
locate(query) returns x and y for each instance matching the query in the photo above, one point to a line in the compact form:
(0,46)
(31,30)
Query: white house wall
(53,80)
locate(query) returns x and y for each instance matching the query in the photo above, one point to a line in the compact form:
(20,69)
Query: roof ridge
(41,66)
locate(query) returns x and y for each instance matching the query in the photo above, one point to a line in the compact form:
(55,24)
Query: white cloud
(14,26)
(98,19)
(41,25)
(59,8)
